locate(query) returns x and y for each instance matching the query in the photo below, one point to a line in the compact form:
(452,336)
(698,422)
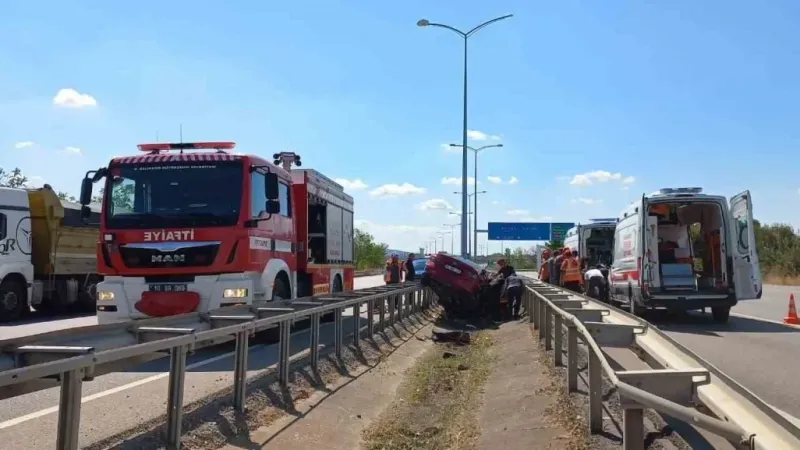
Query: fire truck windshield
(173,194)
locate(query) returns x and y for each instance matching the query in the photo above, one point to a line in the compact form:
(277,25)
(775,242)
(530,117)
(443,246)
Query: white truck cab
(681,249)
(16,267)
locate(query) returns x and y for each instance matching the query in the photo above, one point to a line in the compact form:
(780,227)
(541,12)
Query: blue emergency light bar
(673,191)
(604,220)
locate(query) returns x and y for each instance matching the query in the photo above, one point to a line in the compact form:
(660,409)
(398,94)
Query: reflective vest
(571,271)
(392,271)
(543,272)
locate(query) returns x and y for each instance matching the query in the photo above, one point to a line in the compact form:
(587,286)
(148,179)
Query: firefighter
(571,277)
(394,270)
(544,270)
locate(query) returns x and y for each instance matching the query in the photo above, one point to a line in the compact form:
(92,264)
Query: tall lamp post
(452,234)
(475,190)
(474,213)
(465,36)
(463,221)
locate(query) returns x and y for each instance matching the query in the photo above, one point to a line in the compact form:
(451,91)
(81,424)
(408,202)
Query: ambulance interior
(599,245)
(685,236)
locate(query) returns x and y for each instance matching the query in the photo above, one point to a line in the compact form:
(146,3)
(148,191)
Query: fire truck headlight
(235,293)
(105,296)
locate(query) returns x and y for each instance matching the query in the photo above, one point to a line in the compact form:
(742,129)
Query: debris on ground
(459,337)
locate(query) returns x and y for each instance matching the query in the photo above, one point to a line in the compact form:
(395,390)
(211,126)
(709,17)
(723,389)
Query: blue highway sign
(527,231)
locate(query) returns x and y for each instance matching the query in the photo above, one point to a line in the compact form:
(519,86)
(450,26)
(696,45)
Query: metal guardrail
(682,380)
(70,357)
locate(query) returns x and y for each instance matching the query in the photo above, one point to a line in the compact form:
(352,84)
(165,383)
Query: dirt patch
(212,423)
(436,406)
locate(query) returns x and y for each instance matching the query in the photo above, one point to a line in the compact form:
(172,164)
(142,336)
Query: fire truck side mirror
(273,207)
(271,186)
(86,191)
(86,213)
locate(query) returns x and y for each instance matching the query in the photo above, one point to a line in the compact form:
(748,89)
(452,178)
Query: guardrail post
(177,376)
(532,305)
(548,327)
(572,357)
(595,392)
(392,307)
(357,324)
(542,306)
(370,317)
(69,410)
(315,341)
(633,429)
(557,335)
(240,370)
(338,332)
(283,352)
(382,313)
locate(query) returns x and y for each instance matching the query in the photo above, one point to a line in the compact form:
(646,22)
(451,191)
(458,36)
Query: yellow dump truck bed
(61,243)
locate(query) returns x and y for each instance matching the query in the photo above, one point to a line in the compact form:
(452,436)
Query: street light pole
(452,234)
(475,190)
(464,200)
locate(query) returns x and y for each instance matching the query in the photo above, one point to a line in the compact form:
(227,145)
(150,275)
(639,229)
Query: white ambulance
(593,241)
(681,249)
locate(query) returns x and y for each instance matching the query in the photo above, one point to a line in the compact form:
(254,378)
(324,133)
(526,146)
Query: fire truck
(188,227)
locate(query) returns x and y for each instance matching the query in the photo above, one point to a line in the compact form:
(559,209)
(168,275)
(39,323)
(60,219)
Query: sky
(595,103)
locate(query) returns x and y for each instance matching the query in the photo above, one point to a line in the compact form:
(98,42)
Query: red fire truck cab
(192,227)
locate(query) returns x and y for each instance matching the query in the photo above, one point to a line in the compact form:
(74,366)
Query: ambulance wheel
(721,314)
(13,300)
(633,308)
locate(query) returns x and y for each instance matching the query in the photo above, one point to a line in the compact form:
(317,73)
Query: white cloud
(435,204)
(352,185)
(601,176)
(518,212)
(73,150)
(450,149)
(35,181)
(586,201)
(70,98)
(400,237)
(476,135)
(495,180)
(535,219)
(457,180)
(24,144)
(391,190)
(513,180)
(497,202)
(625,188)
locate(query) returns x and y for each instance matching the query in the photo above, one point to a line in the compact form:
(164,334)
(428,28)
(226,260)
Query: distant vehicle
(593,241)
(419,266)
(684,250)
(456,281)
(47,253)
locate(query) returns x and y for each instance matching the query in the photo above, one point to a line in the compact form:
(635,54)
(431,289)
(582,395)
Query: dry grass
(784,280)
(437,404)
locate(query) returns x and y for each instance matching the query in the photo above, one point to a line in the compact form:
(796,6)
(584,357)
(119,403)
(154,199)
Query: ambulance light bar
(157,147)
(604,220)
(674,191)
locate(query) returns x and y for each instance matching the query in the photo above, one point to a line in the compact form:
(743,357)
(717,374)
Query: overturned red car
(461,285)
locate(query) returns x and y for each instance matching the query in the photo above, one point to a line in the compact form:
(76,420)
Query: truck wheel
(337,284)
(633,308)
(721,314)
(13,300)
(279,291)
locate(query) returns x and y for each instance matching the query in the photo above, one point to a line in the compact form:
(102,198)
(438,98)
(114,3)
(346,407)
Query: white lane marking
(124,387)
(745,316)
(794,420)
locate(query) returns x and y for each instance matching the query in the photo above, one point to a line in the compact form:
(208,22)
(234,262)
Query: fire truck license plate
(168,288)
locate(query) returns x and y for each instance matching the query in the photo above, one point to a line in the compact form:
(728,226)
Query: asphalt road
(754,348)
(120,401)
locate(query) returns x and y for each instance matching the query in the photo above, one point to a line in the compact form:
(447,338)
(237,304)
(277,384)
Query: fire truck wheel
(280,290)
(337,284)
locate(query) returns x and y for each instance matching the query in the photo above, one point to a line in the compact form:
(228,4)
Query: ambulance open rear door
(746,269)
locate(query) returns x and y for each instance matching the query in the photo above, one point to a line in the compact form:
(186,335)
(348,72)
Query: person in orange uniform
(571,277)
(394,270)
(544,273)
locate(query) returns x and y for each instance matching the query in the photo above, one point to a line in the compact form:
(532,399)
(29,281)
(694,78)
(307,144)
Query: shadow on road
(699,323)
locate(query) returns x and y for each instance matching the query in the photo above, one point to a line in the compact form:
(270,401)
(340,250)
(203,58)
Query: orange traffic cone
(791,316)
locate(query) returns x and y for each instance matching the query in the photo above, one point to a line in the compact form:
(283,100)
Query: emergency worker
(571,277)
(555,268)
(394,270)
(596,283)
(544,270)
